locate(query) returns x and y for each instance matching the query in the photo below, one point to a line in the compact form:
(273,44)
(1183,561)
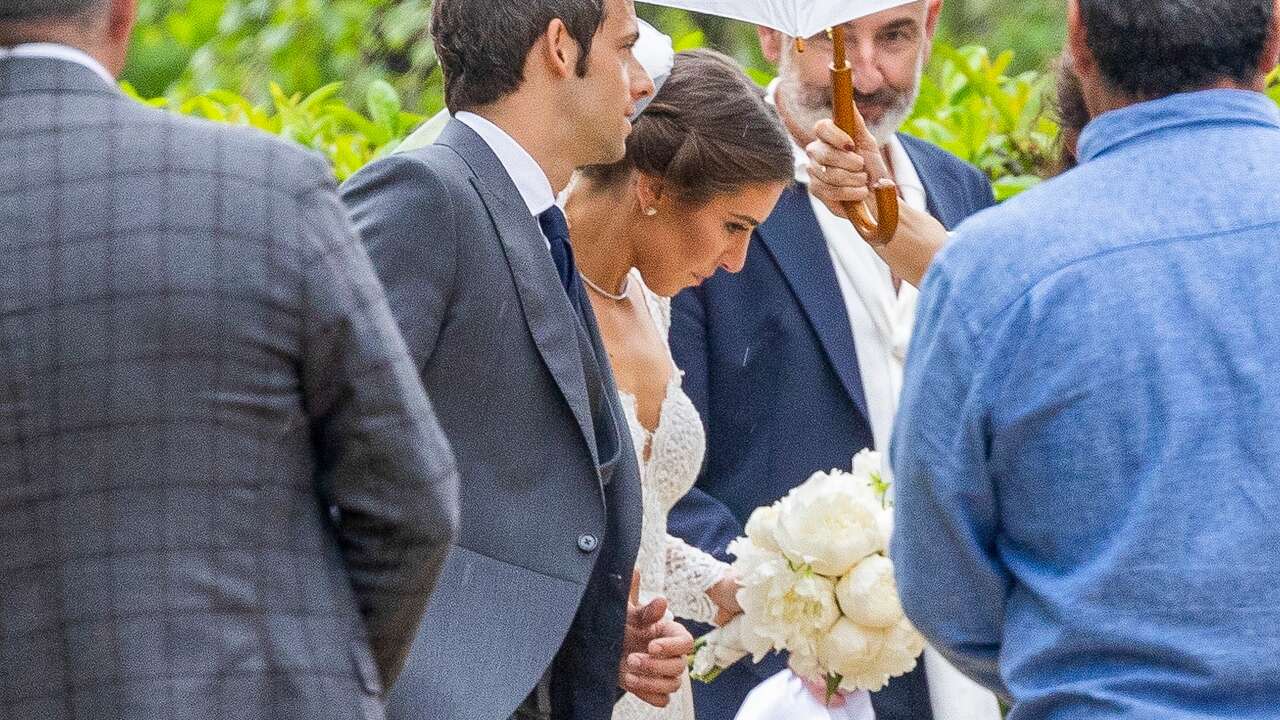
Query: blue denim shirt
(1087,452)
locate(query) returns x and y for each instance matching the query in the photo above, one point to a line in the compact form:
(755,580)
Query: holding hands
(654,651)
(844,171)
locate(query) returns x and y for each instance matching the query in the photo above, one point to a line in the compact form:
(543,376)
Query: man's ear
(932,12)
(1078,43)
(771,44)
(121,15)
(1271,53)
(558,50)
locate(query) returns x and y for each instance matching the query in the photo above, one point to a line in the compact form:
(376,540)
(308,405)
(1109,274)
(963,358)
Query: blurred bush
(350,139)
(185,47)
(971,107)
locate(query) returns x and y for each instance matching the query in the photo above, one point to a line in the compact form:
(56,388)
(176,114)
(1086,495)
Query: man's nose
(865,59)
(641,84)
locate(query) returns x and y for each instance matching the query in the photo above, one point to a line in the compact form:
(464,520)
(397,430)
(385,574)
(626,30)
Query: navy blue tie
(556,229)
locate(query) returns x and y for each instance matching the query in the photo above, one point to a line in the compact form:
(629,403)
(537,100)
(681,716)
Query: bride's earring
(650,211)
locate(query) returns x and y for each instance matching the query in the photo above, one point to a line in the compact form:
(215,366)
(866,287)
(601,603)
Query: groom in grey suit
(223,493)
(531,617)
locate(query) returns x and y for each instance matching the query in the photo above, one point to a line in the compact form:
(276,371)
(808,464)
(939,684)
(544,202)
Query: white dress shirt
(880,317)
(525,172)
(55,51)
(881,320)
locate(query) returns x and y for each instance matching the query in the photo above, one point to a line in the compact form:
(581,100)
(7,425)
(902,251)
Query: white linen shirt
(879,317)
(56,51)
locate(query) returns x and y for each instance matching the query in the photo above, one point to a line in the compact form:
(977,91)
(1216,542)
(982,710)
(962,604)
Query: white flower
(790,608)
(830,523)
(867,463)
(762,527)
(807,665)
(725,646)
(899,651)
(868,595)
(704,664)
(741,637)
(886,526)
(850,649)
(902,646)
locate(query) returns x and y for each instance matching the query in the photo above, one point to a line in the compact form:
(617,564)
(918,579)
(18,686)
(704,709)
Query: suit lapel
(552,322)
(926,167)
(795,240)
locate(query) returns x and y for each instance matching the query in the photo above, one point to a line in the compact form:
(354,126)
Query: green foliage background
(182,47)
(351,78)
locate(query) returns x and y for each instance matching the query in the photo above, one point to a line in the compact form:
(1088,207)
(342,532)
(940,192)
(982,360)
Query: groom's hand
(653,653)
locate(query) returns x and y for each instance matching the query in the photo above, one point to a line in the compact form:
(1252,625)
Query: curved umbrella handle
(847,119)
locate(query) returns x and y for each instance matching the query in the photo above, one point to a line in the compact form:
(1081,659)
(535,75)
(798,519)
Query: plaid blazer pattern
(223,493)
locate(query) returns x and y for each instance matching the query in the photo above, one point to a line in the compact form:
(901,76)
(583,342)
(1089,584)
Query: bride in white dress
(706,163)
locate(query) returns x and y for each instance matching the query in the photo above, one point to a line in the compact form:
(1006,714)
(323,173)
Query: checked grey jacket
(223,493)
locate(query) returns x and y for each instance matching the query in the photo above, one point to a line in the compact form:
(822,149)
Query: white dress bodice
(668,566)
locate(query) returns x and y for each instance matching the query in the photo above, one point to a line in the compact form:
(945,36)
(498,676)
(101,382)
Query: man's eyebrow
(903,24)
(746,219)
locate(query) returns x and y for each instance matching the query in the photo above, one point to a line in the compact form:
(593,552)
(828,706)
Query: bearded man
(796,362)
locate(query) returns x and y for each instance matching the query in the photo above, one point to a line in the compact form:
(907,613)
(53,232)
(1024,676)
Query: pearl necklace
(620,296)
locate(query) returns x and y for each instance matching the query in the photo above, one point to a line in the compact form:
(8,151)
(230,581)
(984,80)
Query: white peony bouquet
(817,583)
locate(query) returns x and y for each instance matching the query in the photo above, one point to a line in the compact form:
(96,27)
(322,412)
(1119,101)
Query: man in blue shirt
(1088,447)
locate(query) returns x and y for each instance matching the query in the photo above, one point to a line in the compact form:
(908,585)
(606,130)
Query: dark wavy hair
(708,132)
(483,44)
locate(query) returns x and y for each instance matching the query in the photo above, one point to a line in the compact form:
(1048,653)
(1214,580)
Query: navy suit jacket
(770,362)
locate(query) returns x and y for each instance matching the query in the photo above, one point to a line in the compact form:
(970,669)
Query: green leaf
(833,686)
(384,105)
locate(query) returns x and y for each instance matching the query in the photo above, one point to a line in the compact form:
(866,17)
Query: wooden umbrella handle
(848,120)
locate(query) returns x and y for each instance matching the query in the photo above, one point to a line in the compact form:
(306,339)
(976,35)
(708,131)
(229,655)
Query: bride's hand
(725,596)
(819,692)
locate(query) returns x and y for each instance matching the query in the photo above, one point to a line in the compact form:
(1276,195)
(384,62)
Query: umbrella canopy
(797,18)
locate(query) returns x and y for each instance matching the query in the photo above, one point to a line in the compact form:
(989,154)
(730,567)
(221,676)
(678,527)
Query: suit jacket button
(588,543)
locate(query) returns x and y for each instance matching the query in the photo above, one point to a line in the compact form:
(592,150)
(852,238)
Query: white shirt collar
(56,51)
(528,176)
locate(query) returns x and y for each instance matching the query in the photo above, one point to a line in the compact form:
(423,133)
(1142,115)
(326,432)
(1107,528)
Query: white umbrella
(797,18)
(806,18)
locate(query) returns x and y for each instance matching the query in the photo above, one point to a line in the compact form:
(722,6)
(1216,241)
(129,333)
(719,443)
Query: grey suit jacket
(223,493)
(551,495)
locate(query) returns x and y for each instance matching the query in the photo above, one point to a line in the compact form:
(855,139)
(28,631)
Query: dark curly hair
(1153,48)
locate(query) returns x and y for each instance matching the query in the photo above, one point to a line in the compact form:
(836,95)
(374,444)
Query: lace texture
(668,566)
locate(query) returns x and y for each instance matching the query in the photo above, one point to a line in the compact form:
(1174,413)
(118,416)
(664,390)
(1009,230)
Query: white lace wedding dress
(669,567)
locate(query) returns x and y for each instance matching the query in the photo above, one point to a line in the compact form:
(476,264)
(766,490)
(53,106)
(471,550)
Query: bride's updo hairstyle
(708,132)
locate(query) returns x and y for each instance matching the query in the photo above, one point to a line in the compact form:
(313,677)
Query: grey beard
(809,105)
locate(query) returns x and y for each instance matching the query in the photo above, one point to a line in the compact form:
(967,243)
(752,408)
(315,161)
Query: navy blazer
(770,362)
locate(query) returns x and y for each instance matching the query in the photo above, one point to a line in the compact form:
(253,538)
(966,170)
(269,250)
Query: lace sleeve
(690,572)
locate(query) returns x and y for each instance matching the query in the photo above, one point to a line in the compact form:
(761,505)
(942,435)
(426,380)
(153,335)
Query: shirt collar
(56,51)
(528,176)
(1120,127)
(904,171)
